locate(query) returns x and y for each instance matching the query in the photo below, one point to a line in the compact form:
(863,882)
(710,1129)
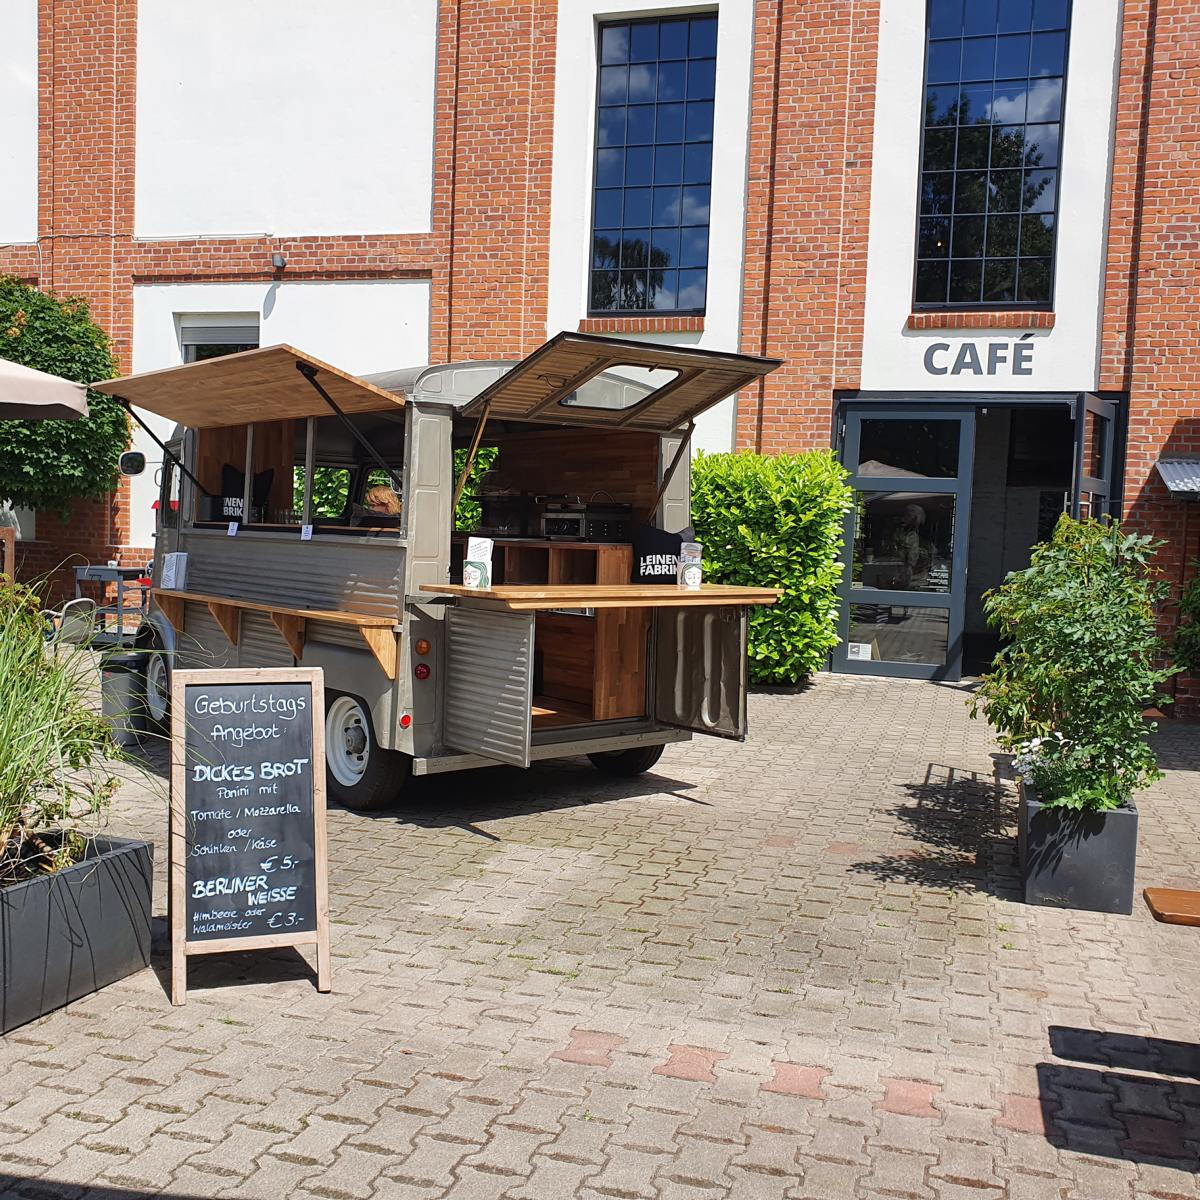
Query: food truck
(307,516)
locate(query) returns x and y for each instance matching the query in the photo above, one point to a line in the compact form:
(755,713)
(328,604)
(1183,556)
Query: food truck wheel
(360,773)
(158,688)
(626,762)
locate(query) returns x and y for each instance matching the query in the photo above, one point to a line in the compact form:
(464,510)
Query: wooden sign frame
(181,948)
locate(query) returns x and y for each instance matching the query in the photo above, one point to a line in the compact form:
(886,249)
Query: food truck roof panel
(254,385)
(582,379)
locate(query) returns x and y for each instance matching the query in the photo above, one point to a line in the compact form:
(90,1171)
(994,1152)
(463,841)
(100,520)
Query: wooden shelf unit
(592,668)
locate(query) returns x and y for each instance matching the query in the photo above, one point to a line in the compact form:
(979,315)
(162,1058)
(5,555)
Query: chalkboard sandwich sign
(247,848)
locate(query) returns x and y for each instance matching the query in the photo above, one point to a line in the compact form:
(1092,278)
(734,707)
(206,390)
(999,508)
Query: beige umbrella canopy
(29,395)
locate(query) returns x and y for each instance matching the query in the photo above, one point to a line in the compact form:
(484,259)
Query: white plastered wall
(284,117)
(1065,358)
(357,327)
(19,104)
(571,188)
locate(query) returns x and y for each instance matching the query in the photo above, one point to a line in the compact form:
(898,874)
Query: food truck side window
(330,492)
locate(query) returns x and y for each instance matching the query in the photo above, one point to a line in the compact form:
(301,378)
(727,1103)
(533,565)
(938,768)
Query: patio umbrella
(29,395)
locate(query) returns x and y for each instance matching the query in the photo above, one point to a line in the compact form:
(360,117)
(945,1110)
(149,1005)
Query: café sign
(976,358)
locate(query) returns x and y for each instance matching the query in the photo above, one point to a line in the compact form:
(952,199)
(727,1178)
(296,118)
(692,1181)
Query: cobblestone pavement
(789,969)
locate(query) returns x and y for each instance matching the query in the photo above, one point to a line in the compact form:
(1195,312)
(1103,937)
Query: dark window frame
(647,310)
(984,305)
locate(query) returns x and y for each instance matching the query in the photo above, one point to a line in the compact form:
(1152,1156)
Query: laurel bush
(777,521)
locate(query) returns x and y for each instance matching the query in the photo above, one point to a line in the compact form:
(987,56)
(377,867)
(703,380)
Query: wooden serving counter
(534,597)
(596,667)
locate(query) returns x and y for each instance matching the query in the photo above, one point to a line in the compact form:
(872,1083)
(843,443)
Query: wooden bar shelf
(378,633)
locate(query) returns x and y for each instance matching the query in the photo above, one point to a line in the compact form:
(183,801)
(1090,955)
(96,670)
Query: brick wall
(808,208)
(1151,312)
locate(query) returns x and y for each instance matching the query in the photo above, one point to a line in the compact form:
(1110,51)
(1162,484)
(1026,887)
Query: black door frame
(1113,408)
(953,602)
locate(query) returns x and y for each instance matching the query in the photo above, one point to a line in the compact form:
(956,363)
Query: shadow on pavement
(1178,745)
(234,969)
(1114,1113)
(1127,1050)
(1136,1118)
(961,820)
(47,1189)
(461,799)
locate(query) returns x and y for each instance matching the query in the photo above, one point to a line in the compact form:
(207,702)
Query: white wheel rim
(347,741)
(158,687)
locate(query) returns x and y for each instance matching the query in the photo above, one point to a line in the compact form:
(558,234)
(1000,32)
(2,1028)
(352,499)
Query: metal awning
(255,385)
(1182,476)
(582,379)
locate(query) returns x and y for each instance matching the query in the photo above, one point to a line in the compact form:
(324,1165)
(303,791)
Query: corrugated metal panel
(700,669)
(488,693)
(334,635)
(351,574)
(261,644)
(1181,475)
(203,644)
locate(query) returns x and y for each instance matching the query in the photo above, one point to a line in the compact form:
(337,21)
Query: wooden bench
(1173,906)
(378,633)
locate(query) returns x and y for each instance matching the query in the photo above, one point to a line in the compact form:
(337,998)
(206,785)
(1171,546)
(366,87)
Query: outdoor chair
(74,624)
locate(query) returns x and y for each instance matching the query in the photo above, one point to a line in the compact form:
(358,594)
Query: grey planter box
(1073,859)
(65,935)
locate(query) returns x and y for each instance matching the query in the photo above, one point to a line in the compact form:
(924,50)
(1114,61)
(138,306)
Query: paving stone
(797,988)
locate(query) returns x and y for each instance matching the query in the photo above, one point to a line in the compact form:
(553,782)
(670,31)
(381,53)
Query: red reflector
(405,721)
(421,670)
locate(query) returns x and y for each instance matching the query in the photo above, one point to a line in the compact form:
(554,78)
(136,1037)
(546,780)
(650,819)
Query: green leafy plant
(55,749)
(469,513)
(776,521)
(1186,649)
(1080,665)
(48,464)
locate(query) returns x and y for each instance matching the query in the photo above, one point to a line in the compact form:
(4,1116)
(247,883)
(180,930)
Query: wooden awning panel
(254,385)
(550,386)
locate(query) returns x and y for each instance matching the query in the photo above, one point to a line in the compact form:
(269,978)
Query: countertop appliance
(608,523)
(563,518)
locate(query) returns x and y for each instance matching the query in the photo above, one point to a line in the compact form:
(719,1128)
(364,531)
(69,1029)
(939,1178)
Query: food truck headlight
(421,646)
(421,670)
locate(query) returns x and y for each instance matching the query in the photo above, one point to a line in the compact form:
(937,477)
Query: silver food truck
(306,516)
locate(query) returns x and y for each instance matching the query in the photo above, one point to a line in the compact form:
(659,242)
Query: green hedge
(776,521)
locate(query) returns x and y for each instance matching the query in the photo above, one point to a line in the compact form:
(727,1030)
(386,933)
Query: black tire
(636,761)
(359,773)
(156,686)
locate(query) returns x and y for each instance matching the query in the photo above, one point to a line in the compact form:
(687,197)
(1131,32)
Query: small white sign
(306,533)
(173,572)
(859,650)
(232,530)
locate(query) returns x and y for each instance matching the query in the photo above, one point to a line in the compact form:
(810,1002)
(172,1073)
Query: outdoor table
(124,579)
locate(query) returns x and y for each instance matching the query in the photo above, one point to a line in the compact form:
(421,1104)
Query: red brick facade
(808,194)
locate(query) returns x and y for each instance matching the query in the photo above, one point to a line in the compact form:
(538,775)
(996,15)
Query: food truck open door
(700,669)
(488,696)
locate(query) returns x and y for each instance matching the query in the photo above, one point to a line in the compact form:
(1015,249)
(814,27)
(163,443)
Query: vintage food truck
(307,516)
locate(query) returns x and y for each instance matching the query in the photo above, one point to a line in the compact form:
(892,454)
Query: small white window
(211,335)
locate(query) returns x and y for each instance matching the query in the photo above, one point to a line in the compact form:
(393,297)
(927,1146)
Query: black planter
(1072,859)
(65,935)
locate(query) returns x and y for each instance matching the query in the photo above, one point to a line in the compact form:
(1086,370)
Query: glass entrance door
(1092,484)
(906,540)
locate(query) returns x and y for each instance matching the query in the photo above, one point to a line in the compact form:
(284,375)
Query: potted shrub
(74,904)
(1067,693)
